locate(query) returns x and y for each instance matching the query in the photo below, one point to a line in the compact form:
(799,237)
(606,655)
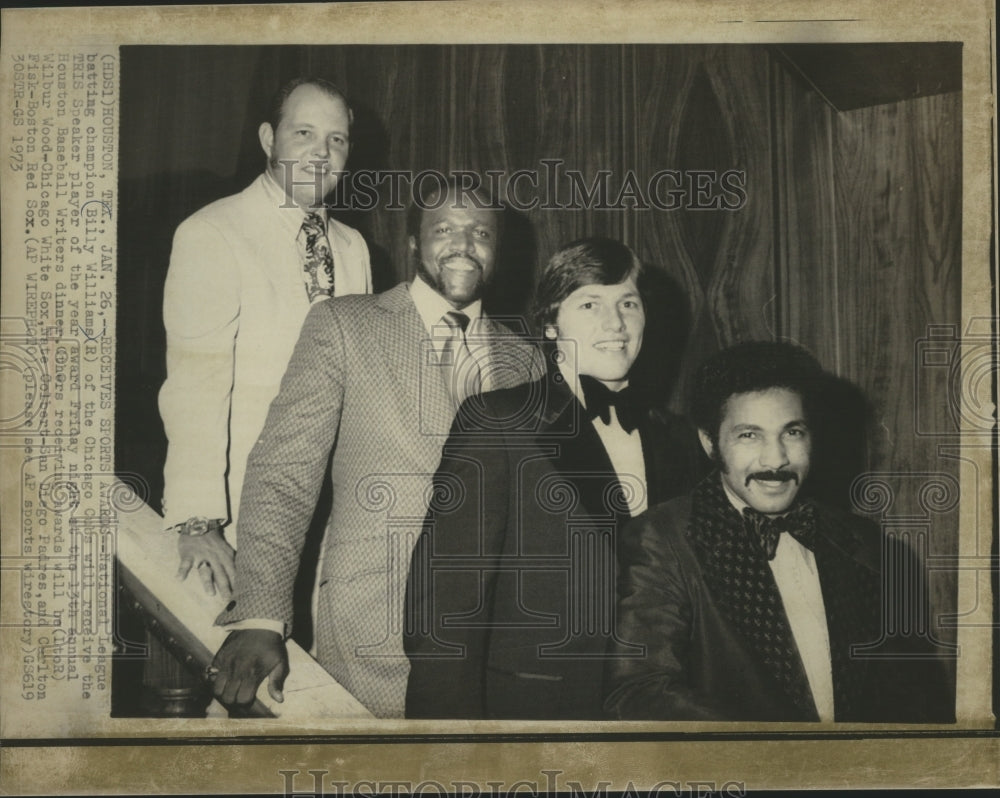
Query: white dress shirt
(624,450)
(794,569)
(432,307)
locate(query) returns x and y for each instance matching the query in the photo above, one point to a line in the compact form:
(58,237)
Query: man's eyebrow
(456,217)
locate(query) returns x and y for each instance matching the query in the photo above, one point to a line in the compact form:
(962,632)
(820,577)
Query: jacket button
(231,606)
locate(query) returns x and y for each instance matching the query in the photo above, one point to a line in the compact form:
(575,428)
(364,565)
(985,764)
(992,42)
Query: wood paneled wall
(869,241)
(848,241)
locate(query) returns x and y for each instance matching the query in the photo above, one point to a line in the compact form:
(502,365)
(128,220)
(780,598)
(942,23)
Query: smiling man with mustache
(746,601)
(454,251)
(372,388)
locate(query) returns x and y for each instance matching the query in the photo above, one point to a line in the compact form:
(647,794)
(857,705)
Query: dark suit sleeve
(449,592)
(656,610)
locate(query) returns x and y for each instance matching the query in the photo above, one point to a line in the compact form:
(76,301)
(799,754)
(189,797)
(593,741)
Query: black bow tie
(600,399)
(800,523)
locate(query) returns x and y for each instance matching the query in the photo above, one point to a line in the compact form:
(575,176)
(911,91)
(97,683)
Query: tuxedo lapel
(579,455)
(739,578)
(511,360)
(655,453)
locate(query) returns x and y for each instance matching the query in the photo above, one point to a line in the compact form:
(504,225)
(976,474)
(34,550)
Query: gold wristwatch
(197,526)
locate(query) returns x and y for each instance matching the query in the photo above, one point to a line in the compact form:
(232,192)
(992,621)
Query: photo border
(135,755)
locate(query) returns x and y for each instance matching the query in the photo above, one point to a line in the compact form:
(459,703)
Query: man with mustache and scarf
(750,602)
(372,387)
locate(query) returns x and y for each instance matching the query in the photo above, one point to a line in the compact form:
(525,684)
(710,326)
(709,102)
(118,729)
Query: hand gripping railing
(182,617)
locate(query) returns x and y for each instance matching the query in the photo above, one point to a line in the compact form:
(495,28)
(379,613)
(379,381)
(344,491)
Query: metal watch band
(198,526)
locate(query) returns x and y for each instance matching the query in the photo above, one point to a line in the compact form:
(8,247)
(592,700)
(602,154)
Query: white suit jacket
(233,306)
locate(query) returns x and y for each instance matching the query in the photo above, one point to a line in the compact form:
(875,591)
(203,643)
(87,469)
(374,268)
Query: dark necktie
(600,399)
(800,523)
(462,370)
(317,257)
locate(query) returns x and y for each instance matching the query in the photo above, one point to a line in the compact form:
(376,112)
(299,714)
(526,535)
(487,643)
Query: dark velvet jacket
(511,593)
(700,602)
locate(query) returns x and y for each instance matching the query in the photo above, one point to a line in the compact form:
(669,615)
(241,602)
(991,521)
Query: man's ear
(411,246)
(706,443)
(266,135)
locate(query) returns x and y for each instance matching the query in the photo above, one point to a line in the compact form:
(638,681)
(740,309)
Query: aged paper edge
(869,757)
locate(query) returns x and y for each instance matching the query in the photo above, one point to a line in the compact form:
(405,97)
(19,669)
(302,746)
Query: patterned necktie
(600,399)
(800,523)
(462,372)
(317,258)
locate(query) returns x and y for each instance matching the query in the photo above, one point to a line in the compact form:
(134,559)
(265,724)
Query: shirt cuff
(258,623)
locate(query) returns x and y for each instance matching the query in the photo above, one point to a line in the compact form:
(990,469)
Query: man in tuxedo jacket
(244,272)
(511,593)
(376,380)
(748,602)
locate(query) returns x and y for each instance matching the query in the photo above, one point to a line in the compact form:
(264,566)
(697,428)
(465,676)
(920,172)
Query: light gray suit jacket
(233,306)
(364,383)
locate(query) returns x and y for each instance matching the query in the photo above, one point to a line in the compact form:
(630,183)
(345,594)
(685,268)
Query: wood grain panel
(660,80)
(744,270)
(707,108)
(807,257)
(898,227)
(898,209)
(660,83)
(538,98)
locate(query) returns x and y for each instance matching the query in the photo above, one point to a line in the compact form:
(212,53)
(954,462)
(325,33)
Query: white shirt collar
(432,306)
(292,215)
(284,203)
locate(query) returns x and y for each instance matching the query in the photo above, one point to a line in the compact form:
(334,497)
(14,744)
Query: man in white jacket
(243,273)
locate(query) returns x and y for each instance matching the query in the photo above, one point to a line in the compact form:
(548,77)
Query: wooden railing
(182,616)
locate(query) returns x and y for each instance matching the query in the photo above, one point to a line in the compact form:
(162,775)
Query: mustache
(452,256)
(773,476)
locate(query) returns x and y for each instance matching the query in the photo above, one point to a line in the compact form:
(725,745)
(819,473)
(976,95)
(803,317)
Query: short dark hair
(424,196)
(587,261)
(276,108)
(747,368)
